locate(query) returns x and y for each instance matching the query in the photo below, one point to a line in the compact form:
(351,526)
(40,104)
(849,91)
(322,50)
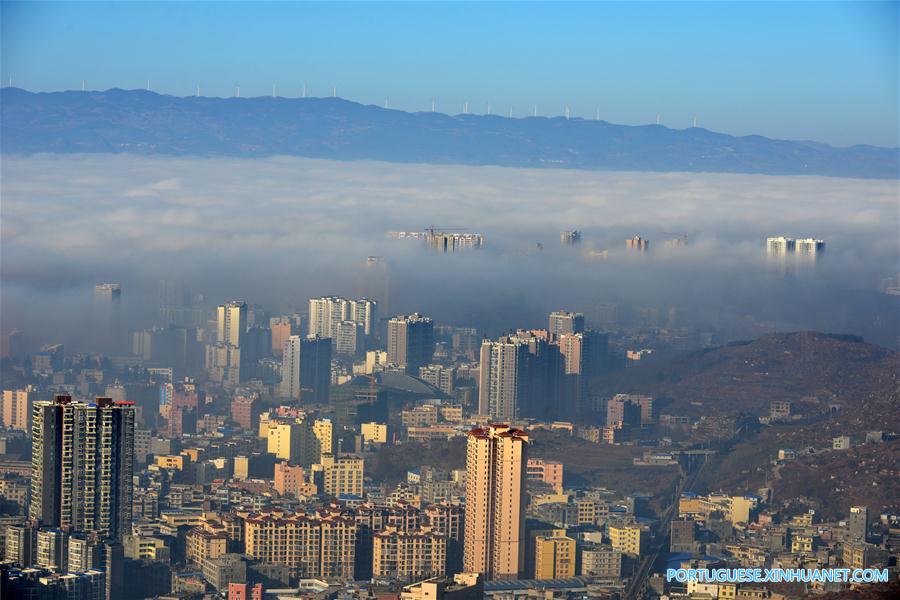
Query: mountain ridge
(145,122)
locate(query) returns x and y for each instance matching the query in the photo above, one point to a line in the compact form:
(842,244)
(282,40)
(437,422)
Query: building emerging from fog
(347,323)
(638,243)
(781,248)
(226,357)
(569,238)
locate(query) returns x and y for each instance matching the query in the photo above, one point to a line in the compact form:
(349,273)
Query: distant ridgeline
(144,122)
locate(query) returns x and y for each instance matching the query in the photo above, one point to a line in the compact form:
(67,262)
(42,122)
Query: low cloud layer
(276,231)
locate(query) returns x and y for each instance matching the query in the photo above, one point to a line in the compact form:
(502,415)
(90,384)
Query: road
(638,582)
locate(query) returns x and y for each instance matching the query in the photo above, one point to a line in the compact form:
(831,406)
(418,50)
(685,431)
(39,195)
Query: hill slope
(816,371)
(145,122)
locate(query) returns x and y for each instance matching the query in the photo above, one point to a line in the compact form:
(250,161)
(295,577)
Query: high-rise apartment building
(364,311)
(410,343)
(503,377)
(306,369)
(282,328)
(809,247)
(563,321)
(82,465)
(16,408)
(329,317)
(227,357)
(107,322)
(638,244)
(494,540)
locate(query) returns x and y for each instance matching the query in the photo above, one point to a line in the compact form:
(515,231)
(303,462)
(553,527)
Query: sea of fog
(277,231)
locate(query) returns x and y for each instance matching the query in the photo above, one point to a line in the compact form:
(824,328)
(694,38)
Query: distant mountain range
(144,122)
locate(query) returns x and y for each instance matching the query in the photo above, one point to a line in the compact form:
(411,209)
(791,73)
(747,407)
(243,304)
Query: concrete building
(439,376)
(306,369)
(682,535)
(809,247)
(245,412)
(858,524)
(224,570)
(16,408)
(779,246)
(342,475)
(503,378)
(637,243)
(546,471)
(408,556)
(627,538)
(292,481)
(374,433)
(282,328)
(554,556)
(82,465)
(226,358)
(602,562)
(410,342)
(494,540)
(329,314)
(310,546)
(563,321)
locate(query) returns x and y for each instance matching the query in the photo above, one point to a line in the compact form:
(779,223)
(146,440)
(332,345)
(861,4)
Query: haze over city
(449,301)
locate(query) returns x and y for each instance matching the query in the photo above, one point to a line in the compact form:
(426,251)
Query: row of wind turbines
(465,107)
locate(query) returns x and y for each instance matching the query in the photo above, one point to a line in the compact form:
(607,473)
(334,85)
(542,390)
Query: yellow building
(375,433)
(171,461)
(554,556)
(408,556)
(323,430)
(626,538)
(203,543)
(343,475)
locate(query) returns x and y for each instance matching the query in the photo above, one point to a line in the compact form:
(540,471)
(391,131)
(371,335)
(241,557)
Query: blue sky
(809,70)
